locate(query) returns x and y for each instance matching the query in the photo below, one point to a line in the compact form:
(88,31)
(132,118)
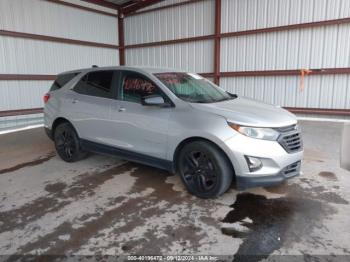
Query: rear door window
(62,80)
(96,84)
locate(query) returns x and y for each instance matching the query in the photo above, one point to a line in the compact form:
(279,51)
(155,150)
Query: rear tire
(67,143)
(204,169)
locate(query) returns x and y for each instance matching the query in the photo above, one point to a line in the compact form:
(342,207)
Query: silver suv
(173,120)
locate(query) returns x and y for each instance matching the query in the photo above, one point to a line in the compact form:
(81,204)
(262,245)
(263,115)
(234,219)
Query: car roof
(150,70)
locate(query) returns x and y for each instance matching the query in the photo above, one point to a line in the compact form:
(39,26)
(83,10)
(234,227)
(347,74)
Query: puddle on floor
(271,223)
(328,175)
(318,192)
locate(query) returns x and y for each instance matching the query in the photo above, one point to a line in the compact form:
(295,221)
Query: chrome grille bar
(290,138)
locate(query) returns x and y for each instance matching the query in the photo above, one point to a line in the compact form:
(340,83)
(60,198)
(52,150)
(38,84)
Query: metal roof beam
(103,3)
(138,5)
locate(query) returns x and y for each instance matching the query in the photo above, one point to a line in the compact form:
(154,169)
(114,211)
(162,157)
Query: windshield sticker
(138,84)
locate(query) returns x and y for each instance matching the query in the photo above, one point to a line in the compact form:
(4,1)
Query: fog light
(254,163)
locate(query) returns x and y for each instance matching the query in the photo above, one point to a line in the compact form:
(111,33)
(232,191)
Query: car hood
(248,112)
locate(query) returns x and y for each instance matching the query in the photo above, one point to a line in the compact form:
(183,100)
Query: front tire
(204,169)
(67,143)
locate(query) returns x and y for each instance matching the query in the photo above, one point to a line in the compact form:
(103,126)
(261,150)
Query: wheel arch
(194,139)
(59,121)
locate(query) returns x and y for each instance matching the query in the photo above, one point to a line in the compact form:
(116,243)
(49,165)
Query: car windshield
(193,88)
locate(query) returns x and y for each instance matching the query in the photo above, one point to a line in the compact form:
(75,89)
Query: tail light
(46,98)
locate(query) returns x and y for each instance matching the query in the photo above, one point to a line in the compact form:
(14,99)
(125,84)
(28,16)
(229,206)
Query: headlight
(256,132)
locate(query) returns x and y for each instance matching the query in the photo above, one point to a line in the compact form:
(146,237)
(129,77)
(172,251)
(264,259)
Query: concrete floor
(106,206)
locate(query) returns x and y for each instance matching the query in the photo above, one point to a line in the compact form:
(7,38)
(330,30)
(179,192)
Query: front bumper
(277,164)
(245,182)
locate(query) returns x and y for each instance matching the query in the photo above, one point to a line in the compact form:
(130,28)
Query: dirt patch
(60,195)
(314,193)
(18,218)
(35,162)
(274,222)
(86,183)
(184,230)
(148,208)
(328,175)
(135,213)
(55,188)
(96,222)
(77,236)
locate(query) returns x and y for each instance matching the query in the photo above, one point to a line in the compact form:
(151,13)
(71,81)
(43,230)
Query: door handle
(74,101)
(121,109)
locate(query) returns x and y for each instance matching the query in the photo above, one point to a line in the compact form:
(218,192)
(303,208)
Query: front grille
(290,139)
(292,169)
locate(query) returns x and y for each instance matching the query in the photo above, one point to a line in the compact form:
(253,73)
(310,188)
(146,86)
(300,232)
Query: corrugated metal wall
(326,91)
(196,19)
(195,56)
(29,56)
(240,15)
(321,47)
(47,18)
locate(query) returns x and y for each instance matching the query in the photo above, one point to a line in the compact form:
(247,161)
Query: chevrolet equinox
(173,120)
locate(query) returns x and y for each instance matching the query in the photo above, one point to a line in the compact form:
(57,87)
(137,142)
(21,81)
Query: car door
(137,128)
(91,105)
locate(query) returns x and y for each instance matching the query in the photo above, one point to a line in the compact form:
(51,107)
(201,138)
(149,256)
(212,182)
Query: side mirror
(153,100)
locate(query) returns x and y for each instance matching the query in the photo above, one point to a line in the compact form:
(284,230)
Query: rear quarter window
(62,80)
(97,84)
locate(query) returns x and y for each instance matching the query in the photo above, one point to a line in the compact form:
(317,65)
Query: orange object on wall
(303,72)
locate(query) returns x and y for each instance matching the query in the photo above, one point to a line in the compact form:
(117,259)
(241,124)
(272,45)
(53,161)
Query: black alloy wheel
(204,169)
(199,171)
(67,143)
